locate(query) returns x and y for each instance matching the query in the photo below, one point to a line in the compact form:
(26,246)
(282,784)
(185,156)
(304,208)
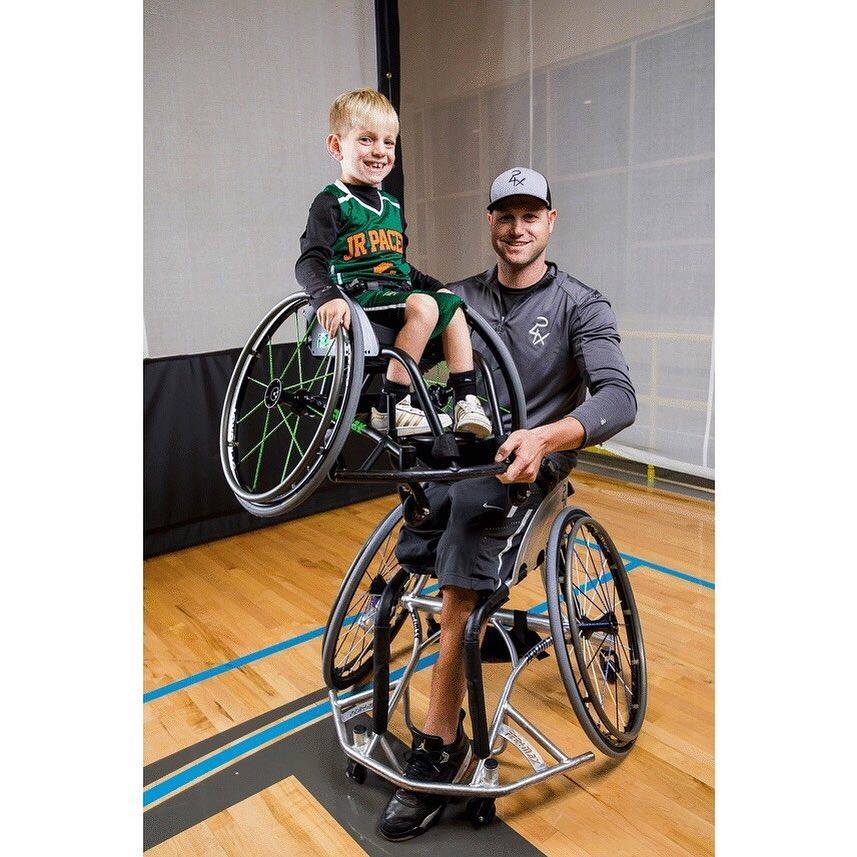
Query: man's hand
(333,314)
(530,447)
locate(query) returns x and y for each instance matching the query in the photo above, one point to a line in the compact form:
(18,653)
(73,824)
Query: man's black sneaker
(408,813)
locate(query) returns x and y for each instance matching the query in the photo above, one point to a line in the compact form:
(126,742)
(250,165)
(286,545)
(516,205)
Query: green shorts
(387,306)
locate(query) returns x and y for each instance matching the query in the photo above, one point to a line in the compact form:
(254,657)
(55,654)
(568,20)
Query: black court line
(312,755)
(172,763)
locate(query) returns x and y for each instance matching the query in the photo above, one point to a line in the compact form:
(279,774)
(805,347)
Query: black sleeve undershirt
(313,265)
(312,270)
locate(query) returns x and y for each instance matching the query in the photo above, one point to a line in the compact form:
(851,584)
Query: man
(562,337)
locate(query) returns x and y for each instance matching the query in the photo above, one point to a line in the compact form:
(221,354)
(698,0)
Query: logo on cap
(513,179)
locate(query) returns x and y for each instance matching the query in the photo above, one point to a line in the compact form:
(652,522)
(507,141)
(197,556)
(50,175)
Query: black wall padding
(186,500)
(389,78)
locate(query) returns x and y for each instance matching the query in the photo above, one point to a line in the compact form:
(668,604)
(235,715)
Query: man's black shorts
(472,535)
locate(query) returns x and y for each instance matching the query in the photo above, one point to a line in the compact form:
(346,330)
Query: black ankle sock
(398,391)
(463,384)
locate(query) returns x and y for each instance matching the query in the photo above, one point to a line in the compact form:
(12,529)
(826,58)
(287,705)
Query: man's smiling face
(520,228)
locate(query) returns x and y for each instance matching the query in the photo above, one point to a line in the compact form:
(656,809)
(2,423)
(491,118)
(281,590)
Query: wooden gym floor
(240,752)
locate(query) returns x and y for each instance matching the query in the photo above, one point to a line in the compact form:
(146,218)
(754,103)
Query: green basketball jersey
(370,243)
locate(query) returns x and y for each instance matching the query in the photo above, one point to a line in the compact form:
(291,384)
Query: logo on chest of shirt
(536,331)
(373,241)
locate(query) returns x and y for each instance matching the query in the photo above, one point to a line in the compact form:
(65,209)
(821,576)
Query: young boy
(355,231)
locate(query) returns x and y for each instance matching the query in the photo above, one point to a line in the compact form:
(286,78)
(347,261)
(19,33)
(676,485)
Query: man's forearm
(564,434)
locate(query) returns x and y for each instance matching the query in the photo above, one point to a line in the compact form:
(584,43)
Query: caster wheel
(481,810)
(357,772)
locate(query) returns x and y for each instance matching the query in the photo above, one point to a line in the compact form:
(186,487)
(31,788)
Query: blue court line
(630,563)
(278,730)
(157,693)
(284,727)
(290,724)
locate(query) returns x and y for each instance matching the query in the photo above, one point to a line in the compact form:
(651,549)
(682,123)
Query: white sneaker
(470,417)
(409,420)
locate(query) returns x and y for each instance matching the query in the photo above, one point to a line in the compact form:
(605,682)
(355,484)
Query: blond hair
(365,107)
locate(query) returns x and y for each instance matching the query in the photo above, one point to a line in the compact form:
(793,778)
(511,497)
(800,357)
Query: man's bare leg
(448,683)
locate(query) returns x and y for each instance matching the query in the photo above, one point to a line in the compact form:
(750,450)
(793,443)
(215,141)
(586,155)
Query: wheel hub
(606,624)
(300,401)
(273,393)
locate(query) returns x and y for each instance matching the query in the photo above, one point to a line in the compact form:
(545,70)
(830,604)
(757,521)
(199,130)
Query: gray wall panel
(236,100)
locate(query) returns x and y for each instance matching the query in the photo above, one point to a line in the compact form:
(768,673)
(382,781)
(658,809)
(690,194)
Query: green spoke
(321,369)
(297,349)
(292,431)
(288,454)
(260,383)
(264,436)
(261,450)
(253,409)
(321,378)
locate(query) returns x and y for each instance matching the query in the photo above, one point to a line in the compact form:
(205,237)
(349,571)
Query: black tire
(282,380)
(347,648)
(583,569)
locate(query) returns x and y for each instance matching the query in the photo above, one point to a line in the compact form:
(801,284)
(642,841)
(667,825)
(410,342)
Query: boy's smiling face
(367,154)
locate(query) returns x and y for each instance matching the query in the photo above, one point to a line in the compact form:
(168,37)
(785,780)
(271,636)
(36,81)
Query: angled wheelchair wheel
(288,408)
(347,649)
(596,631)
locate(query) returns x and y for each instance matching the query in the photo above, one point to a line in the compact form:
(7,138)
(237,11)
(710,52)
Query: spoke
(288,454)
(597,577)
(600,644)
(264,429)
(252,410)
(596,606)
(261,450)
(588,646)
(593,582)
(264,436)
(625,653)
(292,431)
(628,696)
(300,384)
(297,348)
(321,368)
(582,589)
(255,381)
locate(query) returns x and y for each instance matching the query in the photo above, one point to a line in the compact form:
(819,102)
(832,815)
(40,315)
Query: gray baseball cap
(519,181)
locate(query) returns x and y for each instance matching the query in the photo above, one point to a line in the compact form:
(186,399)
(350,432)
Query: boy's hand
(333,314)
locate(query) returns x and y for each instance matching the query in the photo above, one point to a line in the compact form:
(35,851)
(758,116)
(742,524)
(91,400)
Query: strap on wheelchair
(494,649)
(358,286)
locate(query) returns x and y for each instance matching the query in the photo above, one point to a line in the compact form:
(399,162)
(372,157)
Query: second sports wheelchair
(295,393)
(291,404)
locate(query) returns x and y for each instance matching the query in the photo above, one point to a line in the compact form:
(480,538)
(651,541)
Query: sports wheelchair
(313,386)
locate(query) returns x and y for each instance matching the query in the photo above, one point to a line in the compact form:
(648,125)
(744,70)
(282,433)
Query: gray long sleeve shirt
(563,339)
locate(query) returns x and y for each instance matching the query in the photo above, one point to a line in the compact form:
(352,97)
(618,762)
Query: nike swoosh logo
(486,506)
